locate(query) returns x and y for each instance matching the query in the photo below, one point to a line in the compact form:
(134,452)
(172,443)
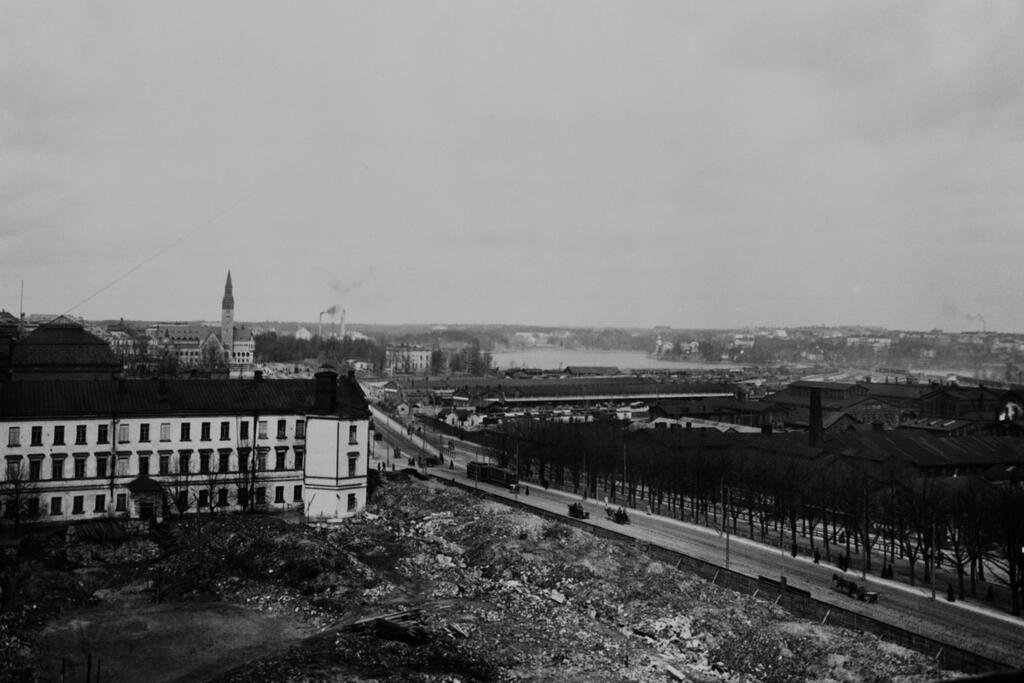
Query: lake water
(557,358)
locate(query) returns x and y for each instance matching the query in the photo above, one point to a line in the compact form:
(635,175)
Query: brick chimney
(325,398)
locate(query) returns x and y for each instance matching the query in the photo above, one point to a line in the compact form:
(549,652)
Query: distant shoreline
(553,358)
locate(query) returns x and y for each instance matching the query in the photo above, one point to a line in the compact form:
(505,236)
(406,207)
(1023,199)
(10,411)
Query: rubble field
(430,584)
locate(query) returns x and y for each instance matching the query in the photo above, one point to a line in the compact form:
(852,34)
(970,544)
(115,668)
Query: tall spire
(229,300)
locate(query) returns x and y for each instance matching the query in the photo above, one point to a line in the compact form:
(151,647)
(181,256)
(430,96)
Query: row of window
(184,501)
(185,432)
(164,463)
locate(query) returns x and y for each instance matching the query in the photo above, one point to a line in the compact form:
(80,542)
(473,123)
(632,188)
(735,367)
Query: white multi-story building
(148,448)
(404,359)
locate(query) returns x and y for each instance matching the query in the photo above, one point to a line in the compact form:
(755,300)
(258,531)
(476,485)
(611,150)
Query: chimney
(325,398)
(817,426)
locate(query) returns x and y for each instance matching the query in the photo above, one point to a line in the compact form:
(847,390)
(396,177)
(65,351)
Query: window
(165,464)
(279,460)
(353,463)
(204,499)
(181,502)
(122,433)
(278,494)
(79,468)
(242,496)
(80,435)
(13,467)
(14,436)
(204,462)
(101,465)
(35,469)
(225,431)
(222,497)
(37,436)
(56,504)
(352,502)
(144,432)
(282,429)
(262,426)
(225,461)
(143,464)
(243,431)
(300,429)
(183,462)
(299,458)
(101,503)
(186,431)
(122,465)
(58,435)
(261,495)
(121,504)
(78,505)
(297,494)
(103,434)
(204,431)
(57,468)
(165,431)
(353,433)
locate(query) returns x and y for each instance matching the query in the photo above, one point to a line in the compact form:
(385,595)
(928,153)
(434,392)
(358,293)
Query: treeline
(765,488)
(274,348)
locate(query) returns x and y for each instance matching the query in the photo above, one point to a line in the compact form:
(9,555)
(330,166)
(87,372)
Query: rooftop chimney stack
(325,398)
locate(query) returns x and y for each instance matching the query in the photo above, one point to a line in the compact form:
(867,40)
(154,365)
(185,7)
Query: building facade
(405,359)
(153,448)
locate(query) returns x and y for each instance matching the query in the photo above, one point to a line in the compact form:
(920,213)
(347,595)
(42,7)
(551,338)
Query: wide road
(995,635)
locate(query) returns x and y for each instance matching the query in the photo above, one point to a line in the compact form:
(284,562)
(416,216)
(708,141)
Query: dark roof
(590,370)
(63,344)
(895,391)
(810,384)
(929,451)
(936,424)
(143,484)
(51,399)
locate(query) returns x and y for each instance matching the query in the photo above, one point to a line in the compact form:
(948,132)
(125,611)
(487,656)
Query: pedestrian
(527,490)
(949,593)
(451,465)
(817,556)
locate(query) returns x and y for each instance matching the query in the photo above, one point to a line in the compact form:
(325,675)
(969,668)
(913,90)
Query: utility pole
(725,523)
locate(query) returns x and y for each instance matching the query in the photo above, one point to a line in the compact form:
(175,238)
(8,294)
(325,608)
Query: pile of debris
(432,583)
(455,588)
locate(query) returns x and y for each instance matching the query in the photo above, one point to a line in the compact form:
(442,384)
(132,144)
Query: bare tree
(16,490)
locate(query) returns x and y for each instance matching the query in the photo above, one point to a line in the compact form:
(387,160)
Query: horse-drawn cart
(576,511)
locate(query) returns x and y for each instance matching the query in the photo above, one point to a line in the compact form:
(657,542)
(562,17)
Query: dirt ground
(431,584)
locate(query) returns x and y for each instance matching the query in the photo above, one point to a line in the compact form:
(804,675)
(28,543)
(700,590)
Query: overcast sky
(633,163)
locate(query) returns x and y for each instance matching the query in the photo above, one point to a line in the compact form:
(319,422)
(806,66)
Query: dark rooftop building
(62,349)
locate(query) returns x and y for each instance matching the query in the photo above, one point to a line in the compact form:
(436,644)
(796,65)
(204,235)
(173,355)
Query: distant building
(196,345)
(405,359)
(303,333)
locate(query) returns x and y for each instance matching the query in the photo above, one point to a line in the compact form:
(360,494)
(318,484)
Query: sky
(569,163)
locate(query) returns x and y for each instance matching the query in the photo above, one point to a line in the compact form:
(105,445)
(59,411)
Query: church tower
(227,320)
